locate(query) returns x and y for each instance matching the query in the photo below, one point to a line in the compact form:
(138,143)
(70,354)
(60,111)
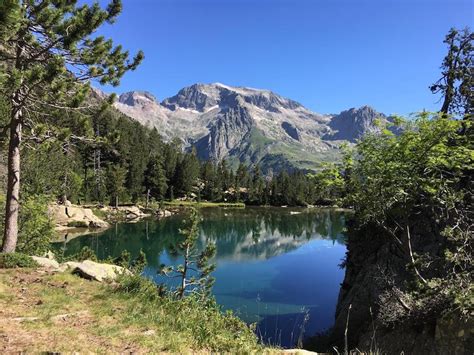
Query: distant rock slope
(249,125)
(353,124)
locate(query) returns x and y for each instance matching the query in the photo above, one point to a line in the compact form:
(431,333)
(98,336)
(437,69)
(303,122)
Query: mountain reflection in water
(277,267)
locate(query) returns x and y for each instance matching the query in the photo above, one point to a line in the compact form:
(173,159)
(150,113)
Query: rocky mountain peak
(196,97)
(201,97)
(352,124)
(137,98)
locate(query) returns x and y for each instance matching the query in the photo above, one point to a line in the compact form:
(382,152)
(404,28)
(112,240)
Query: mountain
(249,125)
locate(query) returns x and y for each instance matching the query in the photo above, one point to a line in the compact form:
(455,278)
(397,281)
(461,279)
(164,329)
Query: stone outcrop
(68,265)
(87,269)
(46,262)
(291,130)
(354,123)
(164,213)
(73,216)
(99,272)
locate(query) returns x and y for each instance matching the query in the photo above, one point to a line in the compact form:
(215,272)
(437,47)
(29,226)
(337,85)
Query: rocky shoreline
(71,221)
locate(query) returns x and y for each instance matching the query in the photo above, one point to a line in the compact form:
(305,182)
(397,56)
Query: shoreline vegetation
(78,221)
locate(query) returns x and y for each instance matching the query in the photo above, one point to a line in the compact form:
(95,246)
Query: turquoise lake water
(277,267)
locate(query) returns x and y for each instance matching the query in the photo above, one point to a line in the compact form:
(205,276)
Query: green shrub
(139,286)
(14,260)
(85,253)
(36,228)
(99,213)
(416,187)
(123,260)
(78,224)
(139,264)
(194,322)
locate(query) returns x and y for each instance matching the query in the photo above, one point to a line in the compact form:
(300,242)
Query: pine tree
(194,261)
(155,179)
(49,57)
(116,176)
(456,81)
(187,173)
(208,176)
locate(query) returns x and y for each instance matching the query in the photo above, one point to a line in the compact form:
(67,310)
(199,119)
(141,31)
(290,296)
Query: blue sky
(329,55)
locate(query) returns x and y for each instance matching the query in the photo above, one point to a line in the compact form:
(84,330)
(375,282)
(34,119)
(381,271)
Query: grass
(13,260)
(78,224)
(176,203)
(277,154)
(60,312)
(99,213)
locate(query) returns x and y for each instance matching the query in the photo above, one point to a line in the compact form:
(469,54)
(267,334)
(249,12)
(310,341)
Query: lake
(277,267)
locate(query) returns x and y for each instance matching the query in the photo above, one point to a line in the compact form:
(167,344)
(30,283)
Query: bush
(416,189)
(85,253)
(14,260)
(123,260)
(36,228)
(139,286)
(139,264)
(78,224)
(193,322)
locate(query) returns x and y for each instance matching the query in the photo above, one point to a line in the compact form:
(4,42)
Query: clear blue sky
(329,55)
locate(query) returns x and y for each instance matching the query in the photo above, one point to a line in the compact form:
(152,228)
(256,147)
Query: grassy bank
(58,312)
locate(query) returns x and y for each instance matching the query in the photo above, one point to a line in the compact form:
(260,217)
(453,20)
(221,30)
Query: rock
(50,255)
(69,265)
(100,272)
(62,216)
(291,130)
(64,317)
(149,332)
(45,262)
(134,210)
(164,213)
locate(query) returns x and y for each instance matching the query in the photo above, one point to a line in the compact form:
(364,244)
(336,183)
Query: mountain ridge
(249,125)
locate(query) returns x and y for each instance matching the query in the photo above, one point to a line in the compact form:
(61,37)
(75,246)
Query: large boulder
(132,212)
(69,265)
(100,272)
(164,213)
(75,216)
(46,262)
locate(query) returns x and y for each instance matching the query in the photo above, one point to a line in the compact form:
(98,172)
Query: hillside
(249,125)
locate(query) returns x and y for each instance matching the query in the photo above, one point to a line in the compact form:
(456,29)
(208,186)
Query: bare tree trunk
(184,274)
(10,235)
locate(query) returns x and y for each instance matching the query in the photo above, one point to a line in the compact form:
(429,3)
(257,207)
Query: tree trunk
(116,201)
(10,235)
(184,274)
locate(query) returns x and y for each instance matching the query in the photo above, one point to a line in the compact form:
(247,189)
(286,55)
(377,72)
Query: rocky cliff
(377,274)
